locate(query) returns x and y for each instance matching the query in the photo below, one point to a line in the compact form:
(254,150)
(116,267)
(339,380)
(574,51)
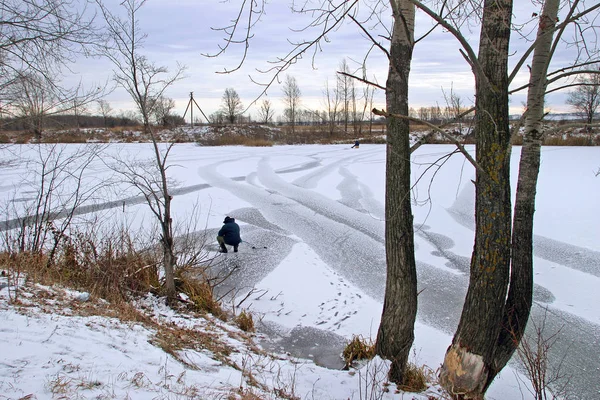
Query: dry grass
(240,141)
(416,378)
(174,340)
(358,349)
(200,293)
(245,322)
(112,270)
(568,141)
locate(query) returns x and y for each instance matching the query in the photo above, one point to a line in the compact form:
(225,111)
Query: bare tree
(424,114)
(266,112)
(396,332)
(364,111)
(217,118)
(485,338)
(454,107)
(291,99)
(57,176)
(104,109)
(145,82)
(40,36)
(162,111)
(346,91)
(231,105)
(34,98)
(476,354)
(332,105)
(585,99)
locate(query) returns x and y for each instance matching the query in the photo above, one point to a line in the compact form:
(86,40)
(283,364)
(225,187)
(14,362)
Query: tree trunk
(468,360)
(166,222)
(169,259)
(519,301)
(396,331)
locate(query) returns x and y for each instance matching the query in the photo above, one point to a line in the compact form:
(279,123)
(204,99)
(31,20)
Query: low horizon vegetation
(254,134)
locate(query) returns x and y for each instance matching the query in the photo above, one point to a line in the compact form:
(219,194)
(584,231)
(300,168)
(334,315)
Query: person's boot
(235,248)
(223,248)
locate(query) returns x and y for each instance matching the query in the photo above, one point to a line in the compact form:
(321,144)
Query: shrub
(111,269)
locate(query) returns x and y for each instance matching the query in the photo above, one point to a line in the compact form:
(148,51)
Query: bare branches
(363,80)
(460,147)
(362,27)
(327,18)
(142,79)
(470,55)
(253,12)
(42,36)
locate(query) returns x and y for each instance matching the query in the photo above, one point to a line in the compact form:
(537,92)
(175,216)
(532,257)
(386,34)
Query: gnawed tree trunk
(519,301)
(468,360)
(396,330)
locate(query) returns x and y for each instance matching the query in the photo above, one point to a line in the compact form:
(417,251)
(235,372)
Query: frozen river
(328,201)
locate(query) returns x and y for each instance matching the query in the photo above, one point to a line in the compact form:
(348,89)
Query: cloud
(185,32)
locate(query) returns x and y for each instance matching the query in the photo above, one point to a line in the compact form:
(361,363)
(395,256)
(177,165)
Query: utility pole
(190,106)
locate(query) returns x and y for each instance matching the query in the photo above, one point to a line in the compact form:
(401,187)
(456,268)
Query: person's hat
(227,219)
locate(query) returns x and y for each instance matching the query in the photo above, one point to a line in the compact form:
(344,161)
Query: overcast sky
(180,31)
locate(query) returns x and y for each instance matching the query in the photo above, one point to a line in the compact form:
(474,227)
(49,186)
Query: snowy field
(312,220)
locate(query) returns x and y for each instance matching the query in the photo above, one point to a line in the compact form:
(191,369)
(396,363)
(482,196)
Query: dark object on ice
(229,234)
(356,144)
(254,246)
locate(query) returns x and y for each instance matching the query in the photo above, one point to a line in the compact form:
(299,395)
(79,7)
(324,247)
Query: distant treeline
(68,122)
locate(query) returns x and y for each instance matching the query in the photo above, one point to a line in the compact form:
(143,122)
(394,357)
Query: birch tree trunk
(519,301)
(396,330)
(468,360)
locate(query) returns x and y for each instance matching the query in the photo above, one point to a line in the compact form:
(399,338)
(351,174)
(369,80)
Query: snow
(315,217)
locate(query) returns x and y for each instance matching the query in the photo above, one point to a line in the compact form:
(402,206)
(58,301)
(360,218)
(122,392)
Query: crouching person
(229,234)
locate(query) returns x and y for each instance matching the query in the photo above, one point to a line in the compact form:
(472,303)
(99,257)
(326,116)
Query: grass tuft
(416,378)
(200,293)
(358,349)
(245,322)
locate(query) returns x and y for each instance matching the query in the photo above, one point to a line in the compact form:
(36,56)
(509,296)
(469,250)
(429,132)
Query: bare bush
(56,179)
(548,381)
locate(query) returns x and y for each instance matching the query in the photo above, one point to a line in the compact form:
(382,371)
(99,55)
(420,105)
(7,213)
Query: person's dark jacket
(230,232)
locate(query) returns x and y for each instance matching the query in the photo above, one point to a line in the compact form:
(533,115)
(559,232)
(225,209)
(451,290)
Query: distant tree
(454,107)
(231,105)
(369,100)
(104,109)
(34,98)
(424,114)
(162,111)
(346,89)
(266,112)
(80,107)
(586,97)
(33,101)
(217,117)
(291,99)
(332,105)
